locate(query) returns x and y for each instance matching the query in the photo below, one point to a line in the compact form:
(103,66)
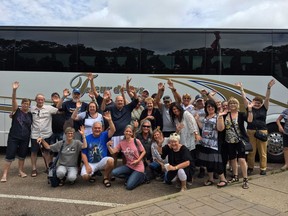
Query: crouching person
(67,165)
(133,150)
(179,159)
(95,157)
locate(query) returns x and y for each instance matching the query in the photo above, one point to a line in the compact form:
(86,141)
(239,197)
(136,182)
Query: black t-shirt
(58,120)
(21,125)
(259,119)
(175,158)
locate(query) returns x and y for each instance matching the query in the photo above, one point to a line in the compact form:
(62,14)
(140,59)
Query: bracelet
(207,93)
(174,90)
(176,167)
(268,88)
(249,111)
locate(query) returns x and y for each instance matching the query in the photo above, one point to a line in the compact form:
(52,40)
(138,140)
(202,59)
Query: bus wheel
(275,144)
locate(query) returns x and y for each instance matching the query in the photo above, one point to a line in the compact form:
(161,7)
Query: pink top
(131,153)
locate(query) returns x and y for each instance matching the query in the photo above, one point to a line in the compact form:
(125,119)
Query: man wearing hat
(68,106)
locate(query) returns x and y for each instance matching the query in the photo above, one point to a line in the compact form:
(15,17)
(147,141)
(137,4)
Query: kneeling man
(95,156)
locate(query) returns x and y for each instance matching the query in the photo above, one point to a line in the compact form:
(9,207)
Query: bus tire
(275,144)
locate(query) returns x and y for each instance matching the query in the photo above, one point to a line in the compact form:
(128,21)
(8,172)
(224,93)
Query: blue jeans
(133,178)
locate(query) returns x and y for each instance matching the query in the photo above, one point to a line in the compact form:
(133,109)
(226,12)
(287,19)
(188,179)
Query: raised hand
(107,115)
(90,76)
(271,83)
(66,92)
(78,104)
(161,86)
(15,85)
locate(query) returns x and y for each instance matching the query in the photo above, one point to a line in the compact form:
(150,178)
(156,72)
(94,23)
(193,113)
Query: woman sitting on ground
(134,152)
(69,154)
(157,165)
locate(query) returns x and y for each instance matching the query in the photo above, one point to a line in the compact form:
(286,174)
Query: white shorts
(96,166)
(116,140)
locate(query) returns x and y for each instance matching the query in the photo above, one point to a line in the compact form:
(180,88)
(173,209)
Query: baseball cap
(146,90)
(166,98)
(198,97)
(76,91)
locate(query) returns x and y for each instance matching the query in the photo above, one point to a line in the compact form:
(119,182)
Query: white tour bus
(49,59)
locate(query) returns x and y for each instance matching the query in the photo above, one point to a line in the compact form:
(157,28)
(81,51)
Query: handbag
(245,145)
(261,136)
(53,180)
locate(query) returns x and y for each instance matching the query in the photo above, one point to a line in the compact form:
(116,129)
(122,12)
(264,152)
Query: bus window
(7,45)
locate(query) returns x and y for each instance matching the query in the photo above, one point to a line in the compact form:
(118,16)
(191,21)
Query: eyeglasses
(38,114)
(186,98)
(210,106)
(146,126)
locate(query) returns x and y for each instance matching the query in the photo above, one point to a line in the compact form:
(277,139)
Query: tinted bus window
(46,51)
(240,52)
(280,50)
(166,52)
(7,45)
(110,51)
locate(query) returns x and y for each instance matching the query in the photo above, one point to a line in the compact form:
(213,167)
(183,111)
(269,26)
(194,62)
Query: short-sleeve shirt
(96,147)
(122,117)
(175,158)
(69,154)
(68,107)
(89,121)
(131,153)
(42,121)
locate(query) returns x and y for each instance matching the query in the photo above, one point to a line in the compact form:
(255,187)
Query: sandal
(106,182)
(62,182)
(245,184)
(234,179)
(208,183)
(92,179)
(222,184)
(34,173)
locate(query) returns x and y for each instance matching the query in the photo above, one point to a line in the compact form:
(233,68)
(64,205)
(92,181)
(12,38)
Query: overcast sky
(146,13)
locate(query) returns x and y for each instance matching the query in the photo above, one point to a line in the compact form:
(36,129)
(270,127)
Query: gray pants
(70,171)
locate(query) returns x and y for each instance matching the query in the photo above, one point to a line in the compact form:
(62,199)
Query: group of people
(157,138)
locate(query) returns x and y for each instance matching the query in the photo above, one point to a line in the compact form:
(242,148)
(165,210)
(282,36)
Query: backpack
(53,180)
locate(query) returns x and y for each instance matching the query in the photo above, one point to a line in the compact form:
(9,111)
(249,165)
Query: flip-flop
(219,185)
(3,180)
(34,173)
(208,183)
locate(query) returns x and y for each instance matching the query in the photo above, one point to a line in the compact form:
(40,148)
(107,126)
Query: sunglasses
(146,126)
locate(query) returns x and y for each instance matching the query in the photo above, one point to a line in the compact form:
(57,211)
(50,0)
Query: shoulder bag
(246,146)
(53,180)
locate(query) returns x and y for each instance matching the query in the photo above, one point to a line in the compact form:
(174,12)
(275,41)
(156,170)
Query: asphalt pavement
(33,196)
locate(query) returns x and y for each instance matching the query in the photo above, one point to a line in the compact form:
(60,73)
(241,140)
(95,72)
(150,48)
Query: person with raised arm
(259,111)
(232,123)
(19,134)
(95,156)
(134,152)
(168,125)
(69,151)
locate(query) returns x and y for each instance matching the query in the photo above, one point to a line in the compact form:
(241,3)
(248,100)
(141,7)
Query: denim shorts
(17,147)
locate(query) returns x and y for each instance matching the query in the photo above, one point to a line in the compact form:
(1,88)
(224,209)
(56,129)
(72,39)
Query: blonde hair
(149,99)
(234,100)
(174,137)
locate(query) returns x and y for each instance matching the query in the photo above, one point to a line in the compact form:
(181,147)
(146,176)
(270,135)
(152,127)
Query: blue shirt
(96,147)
